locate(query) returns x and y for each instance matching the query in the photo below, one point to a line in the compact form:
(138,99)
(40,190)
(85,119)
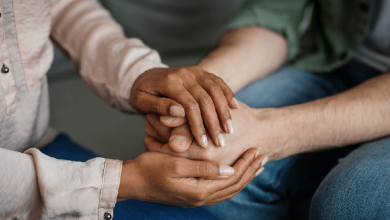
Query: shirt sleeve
(108,61)
(36,186)
(281,16)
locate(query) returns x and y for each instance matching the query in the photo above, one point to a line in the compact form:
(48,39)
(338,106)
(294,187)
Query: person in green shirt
(315,75)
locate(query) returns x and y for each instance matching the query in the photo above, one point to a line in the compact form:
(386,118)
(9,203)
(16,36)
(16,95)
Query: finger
(230,97)
(209,113)
(181,138)
(254,170)
(192,112)
(162,131)
(240,167)
(203,169)
(164,106)
(221,105)
(149,130)
(171,121)
(152,145)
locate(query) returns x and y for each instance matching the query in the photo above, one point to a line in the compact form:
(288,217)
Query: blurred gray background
(182,31)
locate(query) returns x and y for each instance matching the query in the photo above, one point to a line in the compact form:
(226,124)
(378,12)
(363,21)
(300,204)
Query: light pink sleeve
(108,61)
(36,186)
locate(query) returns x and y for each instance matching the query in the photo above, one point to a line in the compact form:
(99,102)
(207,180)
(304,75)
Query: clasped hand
(197,172)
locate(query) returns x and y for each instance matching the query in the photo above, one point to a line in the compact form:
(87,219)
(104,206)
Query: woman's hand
(190,92)
(178,141)
(163,178)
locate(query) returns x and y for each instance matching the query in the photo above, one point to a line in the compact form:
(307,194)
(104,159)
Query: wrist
(127,181)
(278,132)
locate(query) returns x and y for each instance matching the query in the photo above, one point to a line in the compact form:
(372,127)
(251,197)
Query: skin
(163,178)
(237,143)
(244,55)
(186,91)
(354,116)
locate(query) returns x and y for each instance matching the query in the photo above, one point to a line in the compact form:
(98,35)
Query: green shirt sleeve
(281,16)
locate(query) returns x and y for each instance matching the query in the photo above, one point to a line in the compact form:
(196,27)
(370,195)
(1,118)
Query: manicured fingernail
(257,153)
(225,170)
(236,102)
(229,124)
(259,171)
(179,141)
(265,160)
(177,111)
(167,119)
(204,141)
(221,140)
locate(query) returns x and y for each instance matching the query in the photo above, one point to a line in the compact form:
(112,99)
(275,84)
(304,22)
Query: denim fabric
(62,147)
(270,195)
(358,187)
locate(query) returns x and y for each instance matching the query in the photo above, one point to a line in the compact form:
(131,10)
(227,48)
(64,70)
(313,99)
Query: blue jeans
(355,187)
(62,147)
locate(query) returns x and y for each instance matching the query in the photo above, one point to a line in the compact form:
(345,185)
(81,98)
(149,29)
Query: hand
(190,92)
(163,178)
(181,144)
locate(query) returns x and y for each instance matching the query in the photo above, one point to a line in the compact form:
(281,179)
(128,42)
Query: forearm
(357,115)
(246,54)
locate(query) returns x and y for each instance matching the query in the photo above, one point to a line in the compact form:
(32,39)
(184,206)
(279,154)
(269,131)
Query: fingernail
(178,141)
(257,153)
(236,102)
(265,160)
(259,171)
(167,119)
(229,124)
(225,170)
(177,111)
(221,140)
(204,141)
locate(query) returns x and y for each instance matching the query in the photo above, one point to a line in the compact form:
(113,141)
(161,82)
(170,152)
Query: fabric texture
(358,187)
(335,33)
(284,189)
(62,147)
(33,185)
(375,51)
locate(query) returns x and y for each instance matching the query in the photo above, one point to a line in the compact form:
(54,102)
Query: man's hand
(163,178)
(181,144)
(190,92)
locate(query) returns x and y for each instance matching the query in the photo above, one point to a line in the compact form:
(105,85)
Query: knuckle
(198,204)
(205,169)
(199,197)
(193,105)
(205,100)
(183,69)
(213,87)
(158,105)
(170,78)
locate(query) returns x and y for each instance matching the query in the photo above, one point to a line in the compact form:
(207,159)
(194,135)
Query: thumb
(171,121)
(206,169)
(181,138)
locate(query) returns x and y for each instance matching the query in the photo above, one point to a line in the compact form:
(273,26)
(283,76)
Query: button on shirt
(33,185)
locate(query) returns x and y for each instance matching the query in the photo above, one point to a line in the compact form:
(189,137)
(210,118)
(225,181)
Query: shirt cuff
(109,190)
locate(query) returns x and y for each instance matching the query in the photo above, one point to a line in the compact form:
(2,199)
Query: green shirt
(337,28)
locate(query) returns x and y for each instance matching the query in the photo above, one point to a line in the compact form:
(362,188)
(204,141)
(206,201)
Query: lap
(358,187)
